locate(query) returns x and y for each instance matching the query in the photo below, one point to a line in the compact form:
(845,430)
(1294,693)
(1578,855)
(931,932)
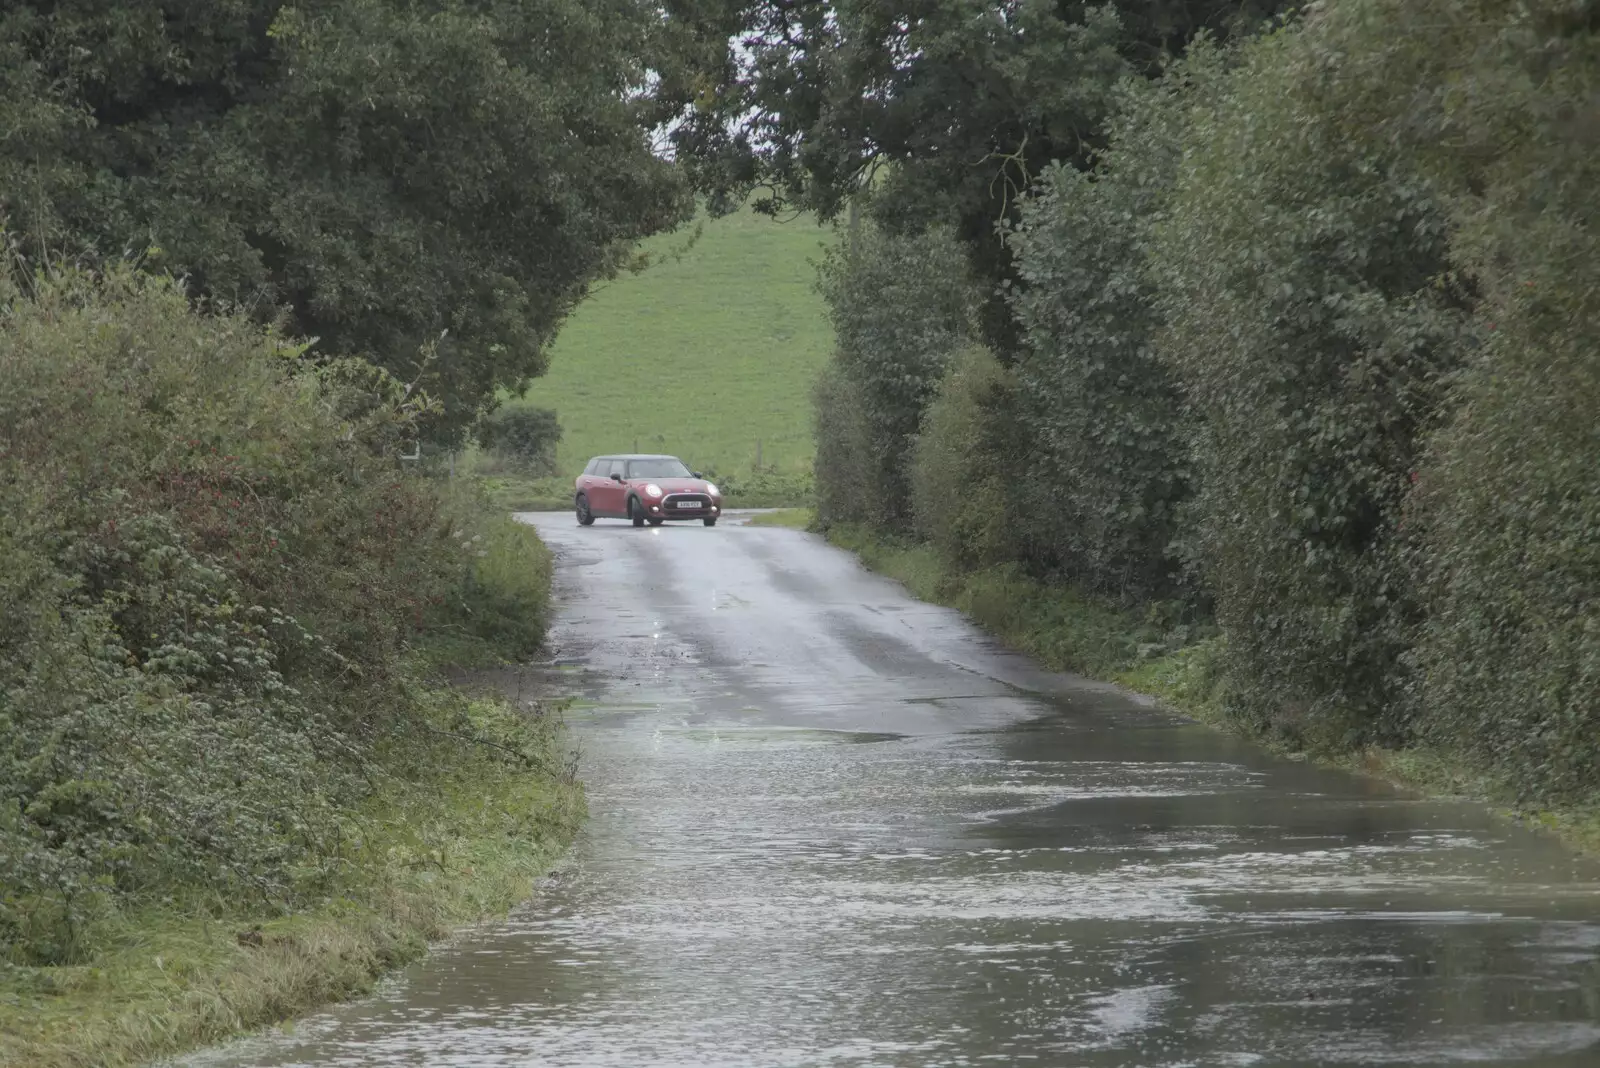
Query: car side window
(592,465)
(618,467)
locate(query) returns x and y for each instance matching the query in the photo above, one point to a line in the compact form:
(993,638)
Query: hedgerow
(1507,503)
(1307,341)
(968,500)
(1309,316)
(523,437)
(901,307)
(844,455)
(215,577)
(1110,464)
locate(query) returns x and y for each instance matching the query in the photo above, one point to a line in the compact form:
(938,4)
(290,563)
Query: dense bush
(1508,501)
(901,307)
(764,487)
(845,464)
(1301,278)
(970,501)
(1104,414)
(503,604)
(1319,324)
(213,575)
(526,437)
(1509,517)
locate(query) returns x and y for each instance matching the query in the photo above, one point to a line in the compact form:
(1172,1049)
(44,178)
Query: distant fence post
(758,454)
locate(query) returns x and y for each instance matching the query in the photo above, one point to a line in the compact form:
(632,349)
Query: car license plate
(688,504)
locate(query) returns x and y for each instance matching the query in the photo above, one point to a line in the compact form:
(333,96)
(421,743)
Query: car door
(606,499)
(590,479)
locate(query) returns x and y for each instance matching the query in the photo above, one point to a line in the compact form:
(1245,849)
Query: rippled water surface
(832,826)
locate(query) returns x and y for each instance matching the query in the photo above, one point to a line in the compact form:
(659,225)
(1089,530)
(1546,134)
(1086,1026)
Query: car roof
(632,456)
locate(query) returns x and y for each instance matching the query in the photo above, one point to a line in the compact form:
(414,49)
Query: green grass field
(702,356)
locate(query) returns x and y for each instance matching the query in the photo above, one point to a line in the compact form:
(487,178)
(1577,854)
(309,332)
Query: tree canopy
(948,109)
(1304,340)
(382,173)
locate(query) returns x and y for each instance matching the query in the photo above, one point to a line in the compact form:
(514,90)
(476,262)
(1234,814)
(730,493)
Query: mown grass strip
(709,355)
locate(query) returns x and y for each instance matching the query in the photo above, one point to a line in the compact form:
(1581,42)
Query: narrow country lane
(834,826)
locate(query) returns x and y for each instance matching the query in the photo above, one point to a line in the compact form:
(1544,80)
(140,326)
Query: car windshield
(662,468)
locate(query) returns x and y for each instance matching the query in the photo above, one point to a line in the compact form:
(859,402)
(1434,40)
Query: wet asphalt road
(833,826)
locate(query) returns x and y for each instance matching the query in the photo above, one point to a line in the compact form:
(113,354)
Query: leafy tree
(381,172)
(945,109)
(1103,411)
(901,308)
(1302,278)
(1506,507)
(526,435)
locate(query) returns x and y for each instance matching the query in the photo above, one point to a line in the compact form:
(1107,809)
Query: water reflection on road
(832,826)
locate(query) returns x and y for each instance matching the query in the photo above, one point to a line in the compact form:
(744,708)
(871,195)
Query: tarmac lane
(831,825)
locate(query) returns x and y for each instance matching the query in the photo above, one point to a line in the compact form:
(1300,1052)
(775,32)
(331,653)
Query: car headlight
(652,489)
(711,488)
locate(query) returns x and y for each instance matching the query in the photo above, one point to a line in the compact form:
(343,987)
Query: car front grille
(685,502)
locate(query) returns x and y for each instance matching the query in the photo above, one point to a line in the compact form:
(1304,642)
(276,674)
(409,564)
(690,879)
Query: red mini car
(645,489)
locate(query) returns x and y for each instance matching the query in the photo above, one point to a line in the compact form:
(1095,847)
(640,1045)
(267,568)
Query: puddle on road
(749,896)
(772,737)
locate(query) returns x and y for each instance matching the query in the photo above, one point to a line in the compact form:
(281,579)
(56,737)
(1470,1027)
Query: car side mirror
(697,474)
(615,477)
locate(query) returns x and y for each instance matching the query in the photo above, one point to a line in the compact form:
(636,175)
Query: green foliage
(845,463)
(501,607)
(1309,319)
(384,172)
(460,841)
(966,494)
(1055,622)
(214,576)
(937,112)
(1318,323)
(1509,510)
(1507,507)
(793,518)
(1111,465)
(901,308)
(524,436)
(766,488)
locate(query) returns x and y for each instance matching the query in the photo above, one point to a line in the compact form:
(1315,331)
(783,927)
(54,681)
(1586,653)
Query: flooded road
(833,826)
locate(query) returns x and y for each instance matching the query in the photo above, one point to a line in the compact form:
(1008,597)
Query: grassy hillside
(702,356)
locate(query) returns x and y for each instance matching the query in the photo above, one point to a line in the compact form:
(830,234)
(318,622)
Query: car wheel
(710,521)
(635,512)
(585,517)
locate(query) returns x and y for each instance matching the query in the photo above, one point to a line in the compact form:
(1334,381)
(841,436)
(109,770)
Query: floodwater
(833,826)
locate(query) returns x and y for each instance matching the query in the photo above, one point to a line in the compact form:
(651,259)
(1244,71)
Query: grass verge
(1145,652)
(463,845)
(512,493)
(794,518)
